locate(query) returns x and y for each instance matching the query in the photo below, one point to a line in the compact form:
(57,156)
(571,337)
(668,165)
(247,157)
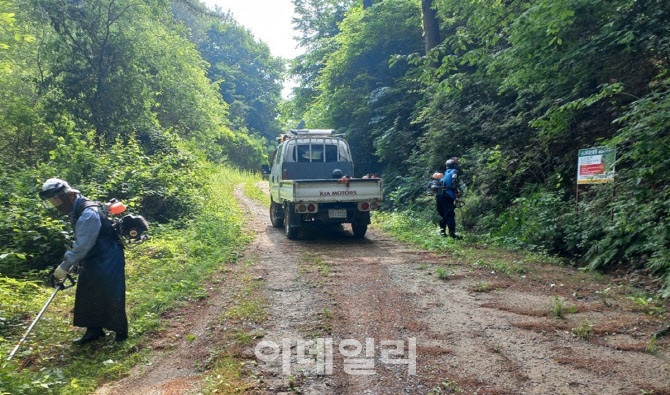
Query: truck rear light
(373,206)
(311,208)
(285,175)
(302,208)
(363,206)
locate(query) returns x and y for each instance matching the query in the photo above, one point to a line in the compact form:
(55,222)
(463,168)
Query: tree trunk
(367,4)
(431,26)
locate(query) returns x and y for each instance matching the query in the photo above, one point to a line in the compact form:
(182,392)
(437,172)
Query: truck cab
(311,155)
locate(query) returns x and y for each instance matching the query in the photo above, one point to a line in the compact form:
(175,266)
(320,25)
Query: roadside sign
(596,165)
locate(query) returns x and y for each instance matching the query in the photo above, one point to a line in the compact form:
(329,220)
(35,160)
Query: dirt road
(400,320)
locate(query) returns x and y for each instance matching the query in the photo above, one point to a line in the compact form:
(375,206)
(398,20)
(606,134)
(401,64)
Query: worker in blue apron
(100,301)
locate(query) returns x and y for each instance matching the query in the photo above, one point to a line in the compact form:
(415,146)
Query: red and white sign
(592,170)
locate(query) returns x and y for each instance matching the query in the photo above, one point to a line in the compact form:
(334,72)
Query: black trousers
(446,207)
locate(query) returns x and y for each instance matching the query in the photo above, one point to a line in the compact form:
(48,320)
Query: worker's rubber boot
(120,337)
(455,236)
(90,335)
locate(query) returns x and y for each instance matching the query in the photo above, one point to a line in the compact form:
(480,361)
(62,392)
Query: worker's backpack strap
(107,228)
(86,203)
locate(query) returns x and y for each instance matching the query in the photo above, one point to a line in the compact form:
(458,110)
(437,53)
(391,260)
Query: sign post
(594,166)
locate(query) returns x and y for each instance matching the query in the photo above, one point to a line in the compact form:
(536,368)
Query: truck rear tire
(276,214)
(291,233)
(359,230)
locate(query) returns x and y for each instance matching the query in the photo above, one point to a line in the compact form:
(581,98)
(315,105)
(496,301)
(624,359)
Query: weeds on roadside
(603,296)
(651,348)
(482,286)
(442,273)
(254,192)
(326,325)
(415,231)
(516,267)
(558,307)
(322,266)
(583,331)
(311,262)
(447,386)
(229,377)
(649,305)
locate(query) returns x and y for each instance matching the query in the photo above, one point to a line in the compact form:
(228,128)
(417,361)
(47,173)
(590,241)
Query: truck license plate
(337,213)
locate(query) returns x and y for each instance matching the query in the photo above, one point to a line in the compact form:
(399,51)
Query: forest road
(374,301)
(372,316)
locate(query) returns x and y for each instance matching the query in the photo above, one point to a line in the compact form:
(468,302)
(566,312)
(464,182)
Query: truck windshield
(317,150)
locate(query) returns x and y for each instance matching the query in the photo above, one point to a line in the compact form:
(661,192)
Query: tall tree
(431,25)
(317,23)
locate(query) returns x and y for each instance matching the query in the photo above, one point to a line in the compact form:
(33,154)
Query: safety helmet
(55,192)
(437,176)
(451,163)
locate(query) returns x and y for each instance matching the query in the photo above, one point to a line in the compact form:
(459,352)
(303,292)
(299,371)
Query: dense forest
(127,99)
(514,89)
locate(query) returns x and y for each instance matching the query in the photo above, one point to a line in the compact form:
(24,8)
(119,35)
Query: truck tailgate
(322,191)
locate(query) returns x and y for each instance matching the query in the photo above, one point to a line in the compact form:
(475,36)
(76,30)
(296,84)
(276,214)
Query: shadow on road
(321,234)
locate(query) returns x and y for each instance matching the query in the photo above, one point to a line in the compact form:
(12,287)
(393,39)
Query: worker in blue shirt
(100,300)
(445,200)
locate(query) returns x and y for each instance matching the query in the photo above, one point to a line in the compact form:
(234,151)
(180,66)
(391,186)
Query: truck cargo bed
(328,190)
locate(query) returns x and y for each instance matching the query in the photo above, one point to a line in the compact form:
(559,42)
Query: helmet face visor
(60,201)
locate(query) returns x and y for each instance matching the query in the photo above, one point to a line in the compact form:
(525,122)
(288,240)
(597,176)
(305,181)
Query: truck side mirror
(265,169)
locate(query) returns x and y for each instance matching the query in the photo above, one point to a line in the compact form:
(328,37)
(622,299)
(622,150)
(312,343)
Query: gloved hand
(60,273)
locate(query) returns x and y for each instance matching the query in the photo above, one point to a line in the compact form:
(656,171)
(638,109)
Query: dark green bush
(163,188)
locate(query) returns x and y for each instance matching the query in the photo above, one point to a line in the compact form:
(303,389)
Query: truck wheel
(291,233)
(276,214)
(359,230)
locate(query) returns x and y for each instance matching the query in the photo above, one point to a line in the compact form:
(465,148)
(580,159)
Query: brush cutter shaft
(59,287)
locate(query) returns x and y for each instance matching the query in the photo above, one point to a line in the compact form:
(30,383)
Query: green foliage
(163,188)
(248,77)
(318,22)
(112,96)
(649,304)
